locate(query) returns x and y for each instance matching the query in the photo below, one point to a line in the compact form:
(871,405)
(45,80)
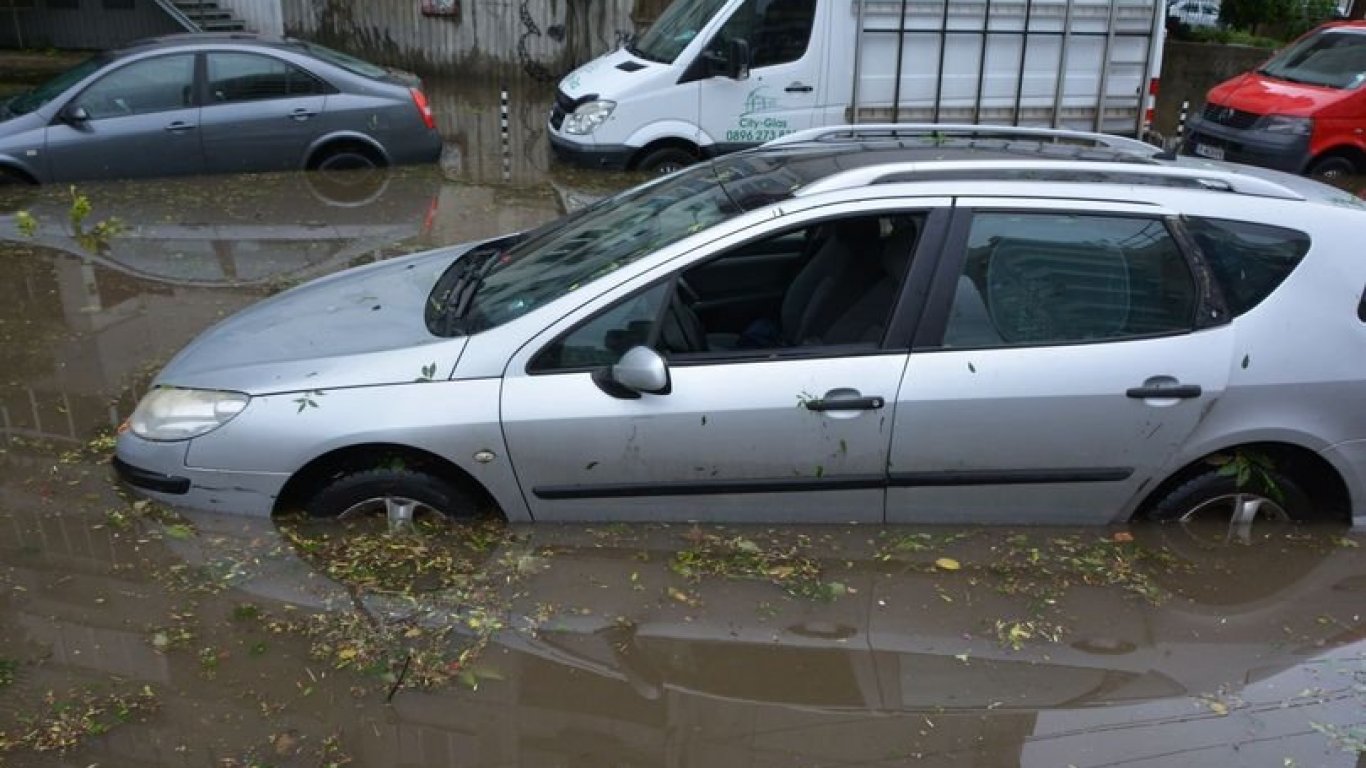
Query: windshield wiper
(634,50)
(460,296)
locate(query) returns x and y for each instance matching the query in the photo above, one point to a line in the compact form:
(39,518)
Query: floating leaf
(947,564)
(179,531)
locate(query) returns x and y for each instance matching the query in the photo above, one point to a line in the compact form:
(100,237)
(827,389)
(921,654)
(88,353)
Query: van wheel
(1333,168)
(1213,508)
(403,496)
(665,160)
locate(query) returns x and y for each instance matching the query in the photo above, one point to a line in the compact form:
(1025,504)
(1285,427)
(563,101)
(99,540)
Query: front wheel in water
(666,160)
(1333,168)
(404,497)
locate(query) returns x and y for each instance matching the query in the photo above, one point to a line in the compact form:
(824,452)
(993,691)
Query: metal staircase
(203,16)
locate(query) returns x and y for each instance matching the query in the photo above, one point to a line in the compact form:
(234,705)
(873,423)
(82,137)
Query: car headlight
(1298,126)
(169,413)
(588,116)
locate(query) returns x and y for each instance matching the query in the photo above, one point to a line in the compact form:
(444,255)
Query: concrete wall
(1189,70)
(264,16)
(543,39)
(89,25)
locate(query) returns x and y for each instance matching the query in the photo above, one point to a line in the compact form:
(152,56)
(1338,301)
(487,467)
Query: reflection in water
(902,666)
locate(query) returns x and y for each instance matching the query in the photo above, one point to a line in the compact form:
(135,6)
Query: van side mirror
(641,369)
(75,115)
(737,60)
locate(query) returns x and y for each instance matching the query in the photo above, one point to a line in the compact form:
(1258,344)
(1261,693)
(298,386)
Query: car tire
(346,157)
(1333,168)
(16,191)
(386,491)
(1212,495)
(665,160)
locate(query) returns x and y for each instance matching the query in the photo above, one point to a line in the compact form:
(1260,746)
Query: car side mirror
(737,61)
(641,369)
(75,115)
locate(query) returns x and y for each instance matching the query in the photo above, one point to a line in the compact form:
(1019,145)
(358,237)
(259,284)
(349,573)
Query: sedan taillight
(424,108)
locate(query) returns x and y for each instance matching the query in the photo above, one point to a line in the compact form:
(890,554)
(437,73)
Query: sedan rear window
(345,61)
(1249,260)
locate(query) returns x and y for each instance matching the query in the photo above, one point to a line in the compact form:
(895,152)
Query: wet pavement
(135,636)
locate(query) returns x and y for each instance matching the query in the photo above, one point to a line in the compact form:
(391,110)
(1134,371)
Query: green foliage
(80,209)
(1251,470)
(28,226)
(1226,36)
(1282,19)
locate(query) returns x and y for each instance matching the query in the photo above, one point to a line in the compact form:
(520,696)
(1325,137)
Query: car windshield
(30,100)
(345,61)
(488,288)
(676,27)
(1335,58)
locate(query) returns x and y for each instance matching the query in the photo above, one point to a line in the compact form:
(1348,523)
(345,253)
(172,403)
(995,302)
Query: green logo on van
(758,101)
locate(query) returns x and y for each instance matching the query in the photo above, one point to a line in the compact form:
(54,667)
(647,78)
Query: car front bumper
(1278,151)
(158,471)
(607,157)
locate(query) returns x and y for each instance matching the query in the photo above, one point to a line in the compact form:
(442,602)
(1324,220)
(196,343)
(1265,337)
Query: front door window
(144,87)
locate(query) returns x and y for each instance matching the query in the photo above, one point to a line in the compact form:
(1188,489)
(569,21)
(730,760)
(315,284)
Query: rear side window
(237,77)
(1249,260)
(346,62)
(1035,279)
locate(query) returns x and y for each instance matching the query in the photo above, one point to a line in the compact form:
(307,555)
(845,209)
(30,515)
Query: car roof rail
(865,131)
(1066,171)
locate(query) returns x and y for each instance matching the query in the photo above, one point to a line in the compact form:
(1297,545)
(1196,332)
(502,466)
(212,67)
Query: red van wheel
(1333,168)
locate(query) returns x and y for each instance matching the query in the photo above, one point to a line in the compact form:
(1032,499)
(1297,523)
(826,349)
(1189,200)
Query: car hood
(11,123)
(1262,95)
(603,78)
(361,327)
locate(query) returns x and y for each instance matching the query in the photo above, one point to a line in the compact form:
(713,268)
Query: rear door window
(237,77)
(1248,260)
(1036,279)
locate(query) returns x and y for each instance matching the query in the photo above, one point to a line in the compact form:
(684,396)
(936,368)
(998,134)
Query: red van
(1303,111)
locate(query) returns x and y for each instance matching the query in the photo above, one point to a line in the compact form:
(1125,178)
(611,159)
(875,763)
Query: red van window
(1332,57)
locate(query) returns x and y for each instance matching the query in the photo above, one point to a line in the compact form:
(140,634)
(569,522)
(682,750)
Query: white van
(713,76)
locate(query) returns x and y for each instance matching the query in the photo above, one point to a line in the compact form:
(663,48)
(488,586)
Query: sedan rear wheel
(346,158)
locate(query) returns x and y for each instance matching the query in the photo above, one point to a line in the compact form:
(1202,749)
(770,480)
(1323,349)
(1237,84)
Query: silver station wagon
(868,323)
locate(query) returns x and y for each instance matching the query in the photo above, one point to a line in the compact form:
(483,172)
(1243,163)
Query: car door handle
(799,87)
(1162,392)
(180,126)
(301,114)
(845,404)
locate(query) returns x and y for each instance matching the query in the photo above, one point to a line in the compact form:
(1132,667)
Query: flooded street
(137,636)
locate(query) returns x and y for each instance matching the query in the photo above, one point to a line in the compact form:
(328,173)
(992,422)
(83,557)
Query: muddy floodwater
(132,635)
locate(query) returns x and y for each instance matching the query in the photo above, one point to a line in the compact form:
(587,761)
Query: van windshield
(676,27)
(1335,58)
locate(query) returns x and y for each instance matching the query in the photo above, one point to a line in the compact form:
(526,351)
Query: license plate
(1213,153)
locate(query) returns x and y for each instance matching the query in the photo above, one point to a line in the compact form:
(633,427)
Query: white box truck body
(712,76)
